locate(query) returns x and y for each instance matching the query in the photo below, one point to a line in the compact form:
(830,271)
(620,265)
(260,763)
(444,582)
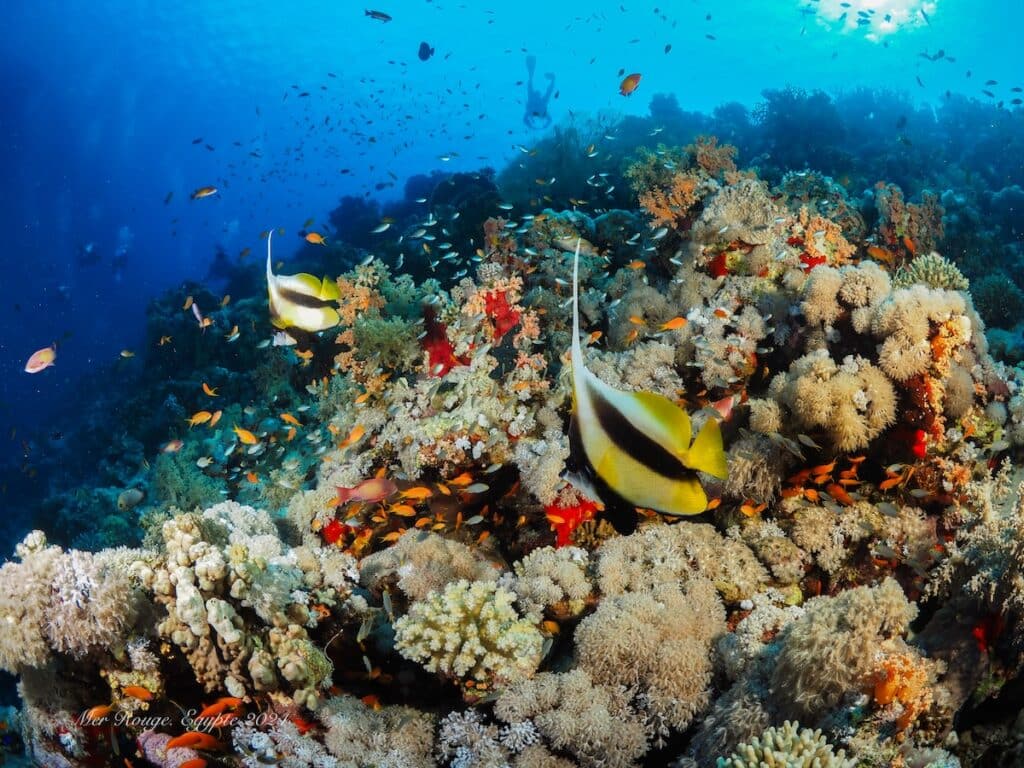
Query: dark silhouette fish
(425,51)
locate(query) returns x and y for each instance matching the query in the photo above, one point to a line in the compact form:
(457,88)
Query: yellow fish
(637,444)
(301,301)
(199,417)
(245,436)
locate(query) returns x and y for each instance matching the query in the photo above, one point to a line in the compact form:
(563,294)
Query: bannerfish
(425,51)
(637,444)
(301,301)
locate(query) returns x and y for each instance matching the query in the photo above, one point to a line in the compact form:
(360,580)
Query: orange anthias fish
(41,359)
(137,692)
(315,238)
(199,417)
(245,436)
(629,84)
(372,490)
(219,706)
(287,418)
(674,324)
(208,390)
(353,437)
(194,740)
(202,192)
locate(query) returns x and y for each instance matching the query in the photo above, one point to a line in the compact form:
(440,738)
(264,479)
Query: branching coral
(932,270)
(787,747)
(470,631)
(223,565)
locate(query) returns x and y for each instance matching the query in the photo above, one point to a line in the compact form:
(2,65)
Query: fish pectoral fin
(707,454)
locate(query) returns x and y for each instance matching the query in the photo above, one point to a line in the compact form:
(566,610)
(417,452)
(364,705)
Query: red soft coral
(566,519)
(505,318)
(440,351)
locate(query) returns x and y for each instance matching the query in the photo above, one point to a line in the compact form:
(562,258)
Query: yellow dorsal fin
(707,454)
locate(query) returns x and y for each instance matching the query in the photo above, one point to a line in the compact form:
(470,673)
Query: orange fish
(199,417)
(636,264)
(245,436)
(631,336)
(629,84)
(722,313)
(211,391)
(252,477)
(594,337)
(137,692)
(418,493)
(188,304)
(287,418)
(226,300)
(172,446)
(98,712)
(353,437)
(674,324)
(202,192)
(315,238)
(636,320)
(41,359)
(909,245)
(403,510)
(880,254)
(220,705)
(194,740)
(215,419)
(195,762)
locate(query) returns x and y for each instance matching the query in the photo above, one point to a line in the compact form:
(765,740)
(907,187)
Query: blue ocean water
(114,113)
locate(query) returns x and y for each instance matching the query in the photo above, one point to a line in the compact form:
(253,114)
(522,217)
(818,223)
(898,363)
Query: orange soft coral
(903,678)
(670,208)
(713,158)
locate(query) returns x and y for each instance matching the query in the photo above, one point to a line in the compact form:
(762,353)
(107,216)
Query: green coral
(932,270)
(787,747)
(470,630)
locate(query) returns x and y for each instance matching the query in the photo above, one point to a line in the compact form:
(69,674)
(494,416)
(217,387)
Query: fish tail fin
(707,453)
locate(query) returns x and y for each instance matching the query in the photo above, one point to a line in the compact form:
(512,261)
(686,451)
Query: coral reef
(374,547)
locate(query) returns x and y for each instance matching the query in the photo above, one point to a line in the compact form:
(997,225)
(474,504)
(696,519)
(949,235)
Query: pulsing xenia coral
(470,631)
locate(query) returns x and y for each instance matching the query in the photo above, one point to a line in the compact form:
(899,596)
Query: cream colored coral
(470,630)
(549,577)
(671,554)
(831,650)
(787,747)
(657,643)
(594,723)
(421,562)
(853,402)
